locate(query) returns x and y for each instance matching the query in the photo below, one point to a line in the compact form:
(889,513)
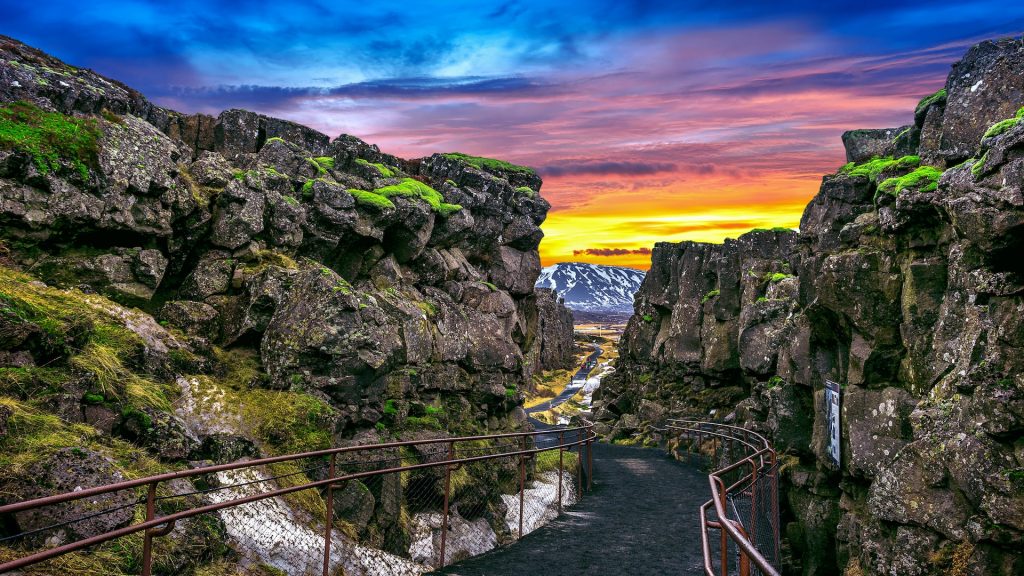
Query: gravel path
(641,518)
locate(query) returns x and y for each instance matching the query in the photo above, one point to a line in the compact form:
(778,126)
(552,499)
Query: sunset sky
(649,121)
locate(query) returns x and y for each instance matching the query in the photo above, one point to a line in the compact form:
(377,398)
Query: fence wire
(380,522)
(751,495)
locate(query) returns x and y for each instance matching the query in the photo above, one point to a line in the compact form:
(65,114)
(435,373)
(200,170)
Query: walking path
(640,518)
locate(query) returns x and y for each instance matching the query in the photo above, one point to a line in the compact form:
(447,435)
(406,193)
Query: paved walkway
(640,518)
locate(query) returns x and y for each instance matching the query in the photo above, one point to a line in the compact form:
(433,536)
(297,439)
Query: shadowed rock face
(245,230)
(910,298)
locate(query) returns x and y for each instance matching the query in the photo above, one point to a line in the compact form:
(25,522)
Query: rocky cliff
(905,284)
(215,287)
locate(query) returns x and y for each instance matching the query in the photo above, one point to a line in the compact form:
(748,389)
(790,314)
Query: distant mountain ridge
(592,287)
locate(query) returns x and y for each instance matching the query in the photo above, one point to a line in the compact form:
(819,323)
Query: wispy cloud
(649,121)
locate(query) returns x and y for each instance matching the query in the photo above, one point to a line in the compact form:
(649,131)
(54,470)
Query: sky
(649,121)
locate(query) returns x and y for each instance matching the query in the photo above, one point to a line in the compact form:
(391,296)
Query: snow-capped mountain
(593,288)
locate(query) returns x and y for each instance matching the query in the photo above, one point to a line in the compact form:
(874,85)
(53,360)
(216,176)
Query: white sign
(832,393)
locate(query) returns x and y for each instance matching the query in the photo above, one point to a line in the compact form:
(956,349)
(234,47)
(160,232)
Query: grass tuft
(50,137)
(547,461)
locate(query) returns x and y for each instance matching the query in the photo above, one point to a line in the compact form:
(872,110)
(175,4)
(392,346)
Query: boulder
(66,470)
(194,318)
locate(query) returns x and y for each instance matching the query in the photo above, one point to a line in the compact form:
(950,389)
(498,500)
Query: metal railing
(324,474)
(744,504)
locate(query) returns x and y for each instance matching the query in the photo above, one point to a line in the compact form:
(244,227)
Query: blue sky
(692,109)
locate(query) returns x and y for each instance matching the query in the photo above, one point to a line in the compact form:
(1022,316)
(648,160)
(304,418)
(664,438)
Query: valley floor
(640,518)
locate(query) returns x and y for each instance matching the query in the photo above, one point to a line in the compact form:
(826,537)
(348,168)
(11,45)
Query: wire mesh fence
(400,508)
(741,521)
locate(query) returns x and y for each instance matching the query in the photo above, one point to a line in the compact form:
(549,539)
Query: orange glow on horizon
(625,223)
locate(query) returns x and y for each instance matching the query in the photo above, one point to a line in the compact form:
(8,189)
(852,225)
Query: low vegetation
(927,101)
(1004,126)
(382,169)
(409,188)
(50,137)
(490,164)
(871,169)
(372,199)
(923,179)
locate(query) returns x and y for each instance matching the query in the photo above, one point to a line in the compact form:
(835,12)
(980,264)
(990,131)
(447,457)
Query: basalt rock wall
(245,230)
(905,285)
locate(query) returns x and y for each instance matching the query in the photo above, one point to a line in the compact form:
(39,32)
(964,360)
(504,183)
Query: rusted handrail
(757,455)
(154,526)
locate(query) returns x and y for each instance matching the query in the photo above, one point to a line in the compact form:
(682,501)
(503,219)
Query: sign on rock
(832,393)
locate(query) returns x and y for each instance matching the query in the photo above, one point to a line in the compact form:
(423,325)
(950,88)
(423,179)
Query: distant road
(575,385)
(579,379)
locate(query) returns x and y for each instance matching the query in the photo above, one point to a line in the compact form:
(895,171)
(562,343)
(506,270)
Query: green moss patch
(382,169)
(708,296)
(409,188)
(871,169)
(979,165)
(1001,127)
(50,137)
(527,191)
(924,179)
(322,163)
(927,101)
(490,164)
(371,199)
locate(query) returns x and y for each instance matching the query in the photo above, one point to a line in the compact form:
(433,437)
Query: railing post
(744,563)
(753,498)
(725,535)
(147,540)
(590,463)
(447,495)
(579,463)
(561,451)
(329,516)
(775,507)
(522,484)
